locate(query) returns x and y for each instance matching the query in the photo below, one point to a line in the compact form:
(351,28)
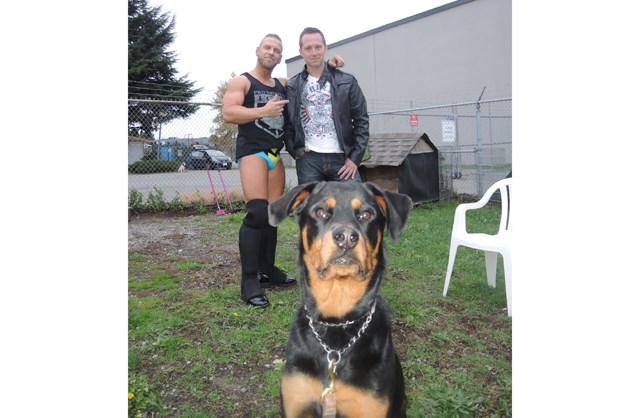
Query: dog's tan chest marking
(335,298)
(300,390)
(355,402)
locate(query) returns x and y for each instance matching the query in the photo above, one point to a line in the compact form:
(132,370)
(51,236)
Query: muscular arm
(232,109)
(234,112)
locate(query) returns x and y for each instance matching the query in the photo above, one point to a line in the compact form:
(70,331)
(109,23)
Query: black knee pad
(257,215)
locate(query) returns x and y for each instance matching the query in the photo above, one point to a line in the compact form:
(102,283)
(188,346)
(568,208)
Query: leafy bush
(153,166)
(135,200)
(176,204)
(155,202)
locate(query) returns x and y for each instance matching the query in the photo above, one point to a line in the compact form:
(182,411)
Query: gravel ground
(162,238)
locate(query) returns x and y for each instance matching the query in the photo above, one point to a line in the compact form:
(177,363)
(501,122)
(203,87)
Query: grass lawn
(195,350)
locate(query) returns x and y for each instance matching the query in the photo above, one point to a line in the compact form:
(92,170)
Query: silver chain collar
(352,341)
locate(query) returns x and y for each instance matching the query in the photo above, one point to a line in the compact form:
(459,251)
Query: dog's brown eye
(322,214)
(365,215)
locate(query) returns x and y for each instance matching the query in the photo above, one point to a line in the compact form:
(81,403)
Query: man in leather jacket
(327,128)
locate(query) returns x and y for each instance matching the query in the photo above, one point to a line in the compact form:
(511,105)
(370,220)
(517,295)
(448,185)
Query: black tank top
(264,133)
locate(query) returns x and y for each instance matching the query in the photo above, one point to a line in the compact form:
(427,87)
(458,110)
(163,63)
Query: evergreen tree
(151,71)
(223,135)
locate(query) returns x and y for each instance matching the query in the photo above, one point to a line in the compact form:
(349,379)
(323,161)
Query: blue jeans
(315,166)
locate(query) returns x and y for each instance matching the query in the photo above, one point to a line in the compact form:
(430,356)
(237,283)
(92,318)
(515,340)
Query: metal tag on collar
(329,407)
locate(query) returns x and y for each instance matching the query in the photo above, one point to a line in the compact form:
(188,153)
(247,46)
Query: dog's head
(341,245)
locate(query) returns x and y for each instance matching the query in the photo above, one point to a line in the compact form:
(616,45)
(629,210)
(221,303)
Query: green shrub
(155,201)
(176,204)
(135,200)
(153,166)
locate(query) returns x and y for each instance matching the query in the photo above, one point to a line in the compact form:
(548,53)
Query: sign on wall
(449,129)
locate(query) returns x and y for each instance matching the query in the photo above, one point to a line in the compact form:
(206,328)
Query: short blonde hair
(271,35)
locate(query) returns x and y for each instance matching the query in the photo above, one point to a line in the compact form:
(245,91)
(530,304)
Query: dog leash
(329,407)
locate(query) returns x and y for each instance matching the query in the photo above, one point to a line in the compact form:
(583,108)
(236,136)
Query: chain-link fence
(171,155)
(473,139)
(167,161)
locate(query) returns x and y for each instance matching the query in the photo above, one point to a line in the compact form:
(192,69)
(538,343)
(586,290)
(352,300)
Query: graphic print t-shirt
(317,120)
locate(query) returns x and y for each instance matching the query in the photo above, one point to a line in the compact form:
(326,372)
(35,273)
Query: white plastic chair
(490,244)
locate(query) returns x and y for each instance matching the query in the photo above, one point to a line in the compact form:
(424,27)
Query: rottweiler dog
(340,359)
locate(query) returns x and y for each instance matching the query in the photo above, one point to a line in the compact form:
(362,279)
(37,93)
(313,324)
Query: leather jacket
(349,109)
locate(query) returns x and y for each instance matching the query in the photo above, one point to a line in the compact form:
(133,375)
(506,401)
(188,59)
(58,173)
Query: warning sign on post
(449,129)
(413,119)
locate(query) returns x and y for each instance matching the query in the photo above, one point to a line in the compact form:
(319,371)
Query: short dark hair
(308,31)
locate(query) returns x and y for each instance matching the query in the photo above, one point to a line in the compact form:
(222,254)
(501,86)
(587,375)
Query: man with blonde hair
(255,101)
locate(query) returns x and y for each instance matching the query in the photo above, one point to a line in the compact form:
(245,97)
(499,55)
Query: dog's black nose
(345,237)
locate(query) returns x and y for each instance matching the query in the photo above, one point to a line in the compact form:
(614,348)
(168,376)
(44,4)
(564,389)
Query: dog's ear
(396,208)
(291,201)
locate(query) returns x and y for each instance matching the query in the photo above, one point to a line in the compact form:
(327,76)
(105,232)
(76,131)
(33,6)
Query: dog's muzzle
(345,237)
(345,251)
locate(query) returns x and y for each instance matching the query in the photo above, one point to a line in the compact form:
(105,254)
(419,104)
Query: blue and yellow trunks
(271,156)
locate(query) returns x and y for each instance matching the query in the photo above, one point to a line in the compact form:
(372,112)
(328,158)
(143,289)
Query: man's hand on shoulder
(336,61)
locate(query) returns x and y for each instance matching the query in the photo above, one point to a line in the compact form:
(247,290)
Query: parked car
(208,159)
(199,147)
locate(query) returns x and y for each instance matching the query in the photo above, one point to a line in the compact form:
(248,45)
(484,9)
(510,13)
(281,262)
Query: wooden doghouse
(407,163)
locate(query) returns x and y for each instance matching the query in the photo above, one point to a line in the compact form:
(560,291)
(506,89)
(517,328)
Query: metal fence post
(479,159)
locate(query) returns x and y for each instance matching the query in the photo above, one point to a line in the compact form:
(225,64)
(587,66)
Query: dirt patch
(164,238)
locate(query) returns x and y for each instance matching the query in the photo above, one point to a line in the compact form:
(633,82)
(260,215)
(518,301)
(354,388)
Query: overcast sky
(216,38)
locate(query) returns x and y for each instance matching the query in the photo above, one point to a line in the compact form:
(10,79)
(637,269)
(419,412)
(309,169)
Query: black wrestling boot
(268,248)
(249,244)
(268,274)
